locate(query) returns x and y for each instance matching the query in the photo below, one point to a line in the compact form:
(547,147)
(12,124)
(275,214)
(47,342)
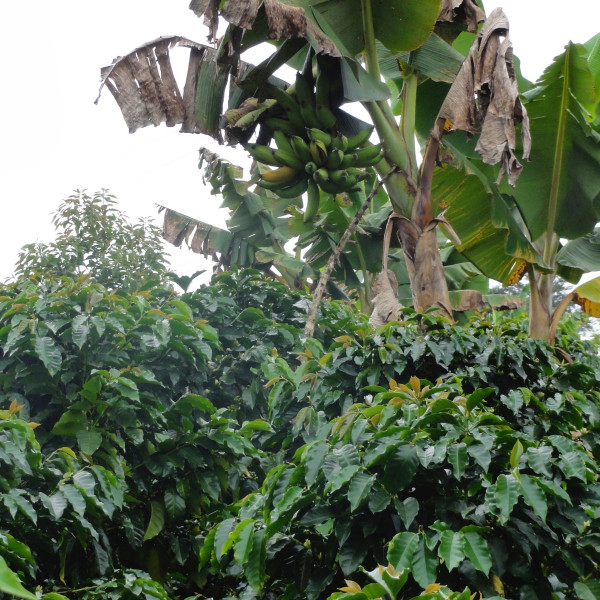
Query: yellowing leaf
(272,381)
(324,359)
(343,339)
(518,271)
(33,424)
(374,420)
(393,385)
(201,322)
(415,384)
(497,584)
(68,451)
(432,587)
(14,407)
(351,587)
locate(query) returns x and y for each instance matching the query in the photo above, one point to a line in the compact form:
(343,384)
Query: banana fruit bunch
(309,154)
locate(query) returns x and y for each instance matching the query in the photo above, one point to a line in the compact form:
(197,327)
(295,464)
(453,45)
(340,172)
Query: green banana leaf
(559,191)
(593,48)
(587,295)
(398,24)
(435,59)
(492,235)
(582,254)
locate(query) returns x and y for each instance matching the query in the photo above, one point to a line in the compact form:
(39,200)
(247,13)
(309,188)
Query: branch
(309,329)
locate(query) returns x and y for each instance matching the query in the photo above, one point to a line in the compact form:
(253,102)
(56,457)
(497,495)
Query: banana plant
(546,227)
(413,34)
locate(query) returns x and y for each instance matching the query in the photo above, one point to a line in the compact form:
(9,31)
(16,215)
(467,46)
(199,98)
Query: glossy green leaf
(89,441)
(424,565)
(458,458)
(588,589)
(401,550)
(222,535)
(243,542)
(256,565)
(400,468)
(572,465)
(49,354)
(359,489)
(481,455)
(505,495)
(477,397)
(534,496)
(540,459)
(477,551)
(452,548)
(10,584)
(515,454)
(174,504)
(157,520)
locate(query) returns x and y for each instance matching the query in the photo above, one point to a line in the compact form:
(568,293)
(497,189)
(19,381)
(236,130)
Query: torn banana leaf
(143,84)
(587,296)
(485,92)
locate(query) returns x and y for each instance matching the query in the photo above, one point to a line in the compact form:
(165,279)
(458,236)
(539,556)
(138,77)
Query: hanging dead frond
(143,84)
(209,9)
(485,94)
(452,11)
(386,307)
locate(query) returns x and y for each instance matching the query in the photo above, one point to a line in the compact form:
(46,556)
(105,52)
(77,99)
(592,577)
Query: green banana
(340,141)
(301,149)
(322,89)
(294,190)
(359,139)
(283,125)
(282,141)
(312,204)
(304,91)
(318,152)
(352,171)
(334,159)
(325,116)
(249,119)
(345,180)
(317,135)
(287,159)
(285,100)
(338,176)
(321,175)
(281,176)
(309,115)
(329,187)
(263,154)
(311,167)
(367,156)
(363,157)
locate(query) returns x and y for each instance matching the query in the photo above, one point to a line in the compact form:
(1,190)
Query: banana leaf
(560,190)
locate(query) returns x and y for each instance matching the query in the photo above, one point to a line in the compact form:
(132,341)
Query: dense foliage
(94,237)
(197,444)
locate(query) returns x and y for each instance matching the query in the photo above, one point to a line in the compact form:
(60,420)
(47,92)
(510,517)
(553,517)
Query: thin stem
(309,329)
(558,159)
(363,268)
(408,118)
(372,64)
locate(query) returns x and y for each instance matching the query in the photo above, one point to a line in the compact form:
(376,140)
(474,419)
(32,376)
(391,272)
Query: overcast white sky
(54,139)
